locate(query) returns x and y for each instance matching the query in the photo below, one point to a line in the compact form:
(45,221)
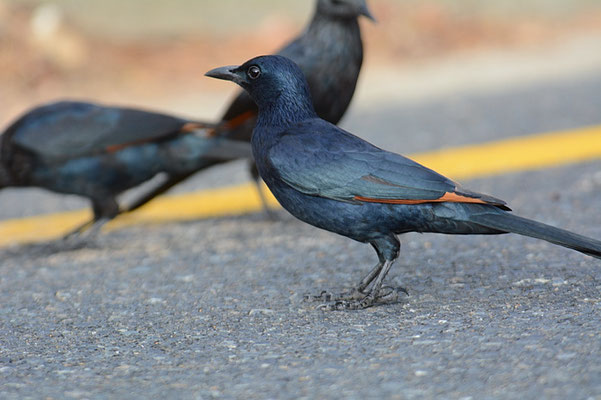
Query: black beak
(228,73)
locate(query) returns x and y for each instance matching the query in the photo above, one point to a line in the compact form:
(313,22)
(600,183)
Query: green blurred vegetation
(159,18)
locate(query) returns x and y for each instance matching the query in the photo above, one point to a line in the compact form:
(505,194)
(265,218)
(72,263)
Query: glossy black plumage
(330,53)
(65,132)
(98,152)
(336,181)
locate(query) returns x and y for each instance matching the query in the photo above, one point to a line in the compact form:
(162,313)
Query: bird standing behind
(330,54)
(98,152)
(336,181)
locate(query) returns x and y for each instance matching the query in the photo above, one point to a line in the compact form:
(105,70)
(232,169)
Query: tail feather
(512,223)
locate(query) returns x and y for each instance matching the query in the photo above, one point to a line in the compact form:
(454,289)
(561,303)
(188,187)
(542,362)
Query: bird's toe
(326,296)
(356,300)
(389,294)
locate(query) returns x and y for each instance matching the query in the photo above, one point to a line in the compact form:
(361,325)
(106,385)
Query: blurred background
(154,53)
(436,73)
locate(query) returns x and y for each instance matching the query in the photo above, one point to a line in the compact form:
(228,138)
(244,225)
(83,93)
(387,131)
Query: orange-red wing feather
(239,119)
(185,129)
(447,197)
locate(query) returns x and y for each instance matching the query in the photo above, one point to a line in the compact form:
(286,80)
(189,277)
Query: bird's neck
(327,25)
(285,109)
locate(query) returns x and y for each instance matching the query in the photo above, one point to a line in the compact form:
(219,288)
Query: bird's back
(67,130)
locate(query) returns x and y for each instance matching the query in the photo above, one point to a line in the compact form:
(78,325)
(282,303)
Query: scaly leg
(370,290)
(105,209)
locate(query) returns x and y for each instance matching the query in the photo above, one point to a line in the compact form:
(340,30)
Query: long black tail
(512,223)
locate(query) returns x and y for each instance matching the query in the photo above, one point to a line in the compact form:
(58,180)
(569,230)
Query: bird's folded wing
(323,160)
(221,148)
(75,129)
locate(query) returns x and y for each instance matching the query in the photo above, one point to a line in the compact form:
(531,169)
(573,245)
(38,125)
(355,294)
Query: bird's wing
(75,129)
(320,159)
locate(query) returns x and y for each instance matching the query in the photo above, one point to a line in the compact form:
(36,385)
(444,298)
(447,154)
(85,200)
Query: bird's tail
(512,223)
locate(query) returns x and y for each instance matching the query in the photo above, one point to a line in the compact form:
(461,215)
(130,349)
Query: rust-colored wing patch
(116,147)
(447,197)
(185,129)
(194,126)
(239,120)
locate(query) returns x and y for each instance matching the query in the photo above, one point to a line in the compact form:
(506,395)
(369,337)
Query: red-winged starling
(336,181)
(98,152)
(330,53)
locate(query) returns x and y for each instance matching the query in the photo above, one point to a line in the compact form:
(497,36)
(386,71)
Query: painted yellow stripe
(516,154)
(212,203)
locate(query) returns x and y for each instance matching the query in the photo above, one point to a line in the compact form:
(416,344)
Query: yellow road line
(515,154)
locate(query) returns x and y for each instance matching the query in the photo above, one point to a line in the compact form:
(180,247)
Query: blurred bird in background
(330,54)
(98,152)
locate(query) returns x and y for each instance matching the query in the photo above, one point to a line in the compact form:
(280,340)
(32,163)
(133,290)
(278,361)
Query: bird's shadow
(47,248)
(99,241)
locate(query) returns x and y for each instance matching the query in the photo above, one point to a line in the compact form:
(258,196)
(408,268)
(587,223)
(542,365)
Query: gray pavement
(214,308)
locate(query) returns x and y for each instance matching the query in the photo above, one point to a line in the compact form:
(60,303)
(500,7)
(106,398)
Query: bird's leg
(82,236)
(268,211)
(370,288)
(254,173)
(353,294)
(367,300)
(156,191)
(357,292)
(105,209)
(79,229)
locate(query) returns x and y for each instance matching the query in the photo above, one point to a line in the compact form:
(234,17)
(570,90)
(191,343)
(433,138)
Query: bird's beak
(228,73)
(364,10)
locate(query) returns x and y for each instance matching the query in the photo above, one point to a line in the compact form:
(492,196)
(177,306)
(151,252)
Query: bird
(330,46)
(330,53)
(98,152)
(334,180)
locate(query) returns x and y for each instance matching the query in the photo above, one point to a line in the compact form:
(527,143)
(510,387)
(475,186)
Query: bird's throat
(285,110)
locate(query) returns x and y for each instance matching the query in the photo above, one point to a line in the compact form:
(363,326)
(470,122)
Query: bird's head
(344,8)
(271,81)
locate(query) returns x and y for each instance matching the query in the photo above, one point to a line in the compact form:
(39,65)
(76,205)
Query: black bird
(336,181)
(330,54)
(57,136)
(98,152)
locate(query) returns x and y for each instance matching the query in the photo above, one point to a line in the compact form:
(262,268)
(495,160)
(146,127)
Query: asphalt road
(214,308)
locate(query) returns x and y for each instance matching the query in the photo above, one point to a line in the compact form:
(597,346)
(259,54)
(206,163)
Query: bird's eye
(253,72)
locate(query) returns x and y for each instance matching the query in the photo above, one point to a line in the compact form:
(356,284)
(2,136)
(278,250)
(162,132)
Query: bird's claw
(349,305)
(391,294)
(357,300)
(326,296)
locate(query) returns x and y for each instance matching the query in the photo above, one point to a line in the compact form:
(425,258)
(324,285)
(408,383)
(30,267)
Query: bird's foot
(354,294)
(84,234)
(348,305)
(357,300)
